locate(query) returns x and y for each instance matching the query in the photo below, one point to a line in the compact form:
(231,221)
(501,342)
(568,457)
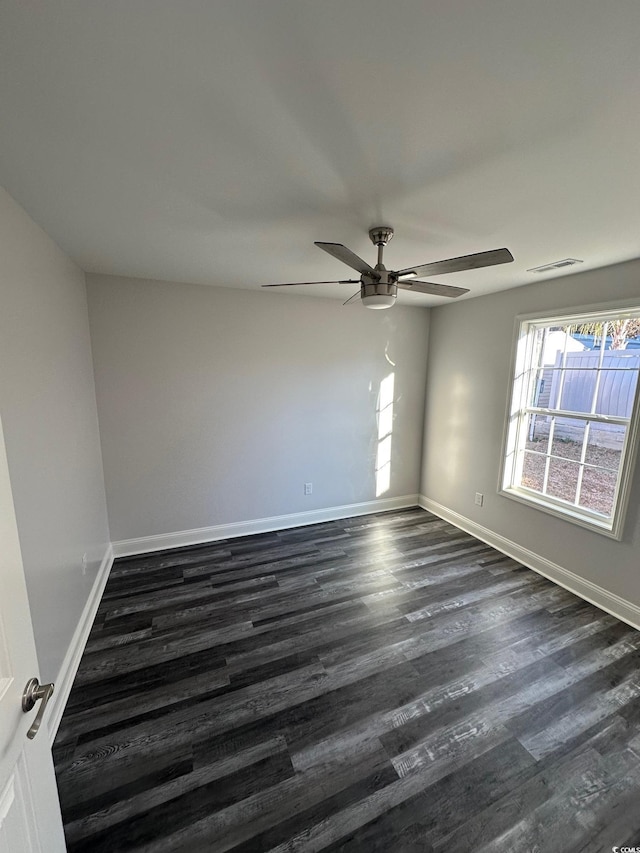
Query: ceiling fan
(379,286)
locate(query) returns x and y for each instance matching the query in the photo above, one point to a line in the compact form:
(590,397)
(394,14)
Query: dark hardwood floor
(382,683)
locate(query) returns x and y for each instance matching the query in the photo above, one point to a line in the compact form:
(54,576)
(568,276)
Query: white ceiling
(214,141)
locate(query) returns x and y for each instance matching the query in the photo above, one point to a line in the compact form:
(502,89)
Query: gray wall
(467,387)
(48,410)
(217,405)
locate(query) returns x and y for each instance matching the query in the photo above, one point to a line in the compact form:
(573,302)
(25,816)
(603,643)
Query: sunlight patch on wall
(385,429)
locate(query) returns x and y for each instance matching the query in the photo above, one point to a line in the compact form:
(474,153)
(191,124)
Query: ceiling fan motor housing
(377,294)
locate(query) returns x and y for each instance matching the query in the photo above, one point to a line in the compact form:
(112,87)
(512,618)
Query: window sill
(566,512)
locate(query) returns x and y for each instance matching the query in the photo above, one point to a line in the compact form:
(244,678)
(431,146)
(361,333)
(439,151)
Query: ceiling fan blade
(298,283)
(351,298)
(349,258)
(433,289)
(466,262)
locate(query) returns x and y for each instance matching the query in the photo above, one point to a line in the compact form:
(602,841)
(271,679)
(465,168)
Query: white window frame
(519,408)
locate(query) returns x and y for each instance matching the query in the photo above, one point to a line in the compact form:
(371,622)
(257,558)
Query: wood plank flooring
(381,683)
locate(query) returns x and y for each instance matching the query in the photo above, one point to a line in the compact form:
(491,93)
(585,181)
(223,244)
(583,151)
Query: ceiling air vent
(556,265)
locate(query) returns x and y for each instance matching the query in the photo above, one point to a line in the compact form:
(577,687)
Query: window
(573,417)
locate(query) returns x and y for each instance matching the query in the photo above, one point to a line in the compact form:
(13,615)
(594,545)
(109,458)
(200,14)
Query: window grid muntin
(521,448)
(573,461)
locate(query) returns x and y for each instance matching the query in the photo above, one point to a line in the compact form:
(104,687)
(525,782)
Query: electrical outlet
(85,560)
(308,488)
(479,498)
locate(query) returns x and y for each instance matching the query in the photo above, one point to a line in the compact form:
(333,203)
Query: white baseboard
(619,607)
(144,544)
(71,662)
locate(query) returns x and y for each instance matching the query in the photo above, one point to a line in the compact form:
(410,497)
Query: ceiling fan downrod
(380,236)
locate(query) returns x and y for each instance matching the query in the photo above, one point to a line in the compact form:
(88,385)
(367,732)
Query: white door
(29,809)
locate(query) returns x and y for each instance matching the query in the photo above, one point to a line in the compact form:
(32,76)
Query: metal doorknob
(36,692)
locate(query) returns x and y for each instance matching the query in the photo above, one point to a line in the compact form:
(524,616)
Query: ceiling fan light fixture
(380,300)
(378,295)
